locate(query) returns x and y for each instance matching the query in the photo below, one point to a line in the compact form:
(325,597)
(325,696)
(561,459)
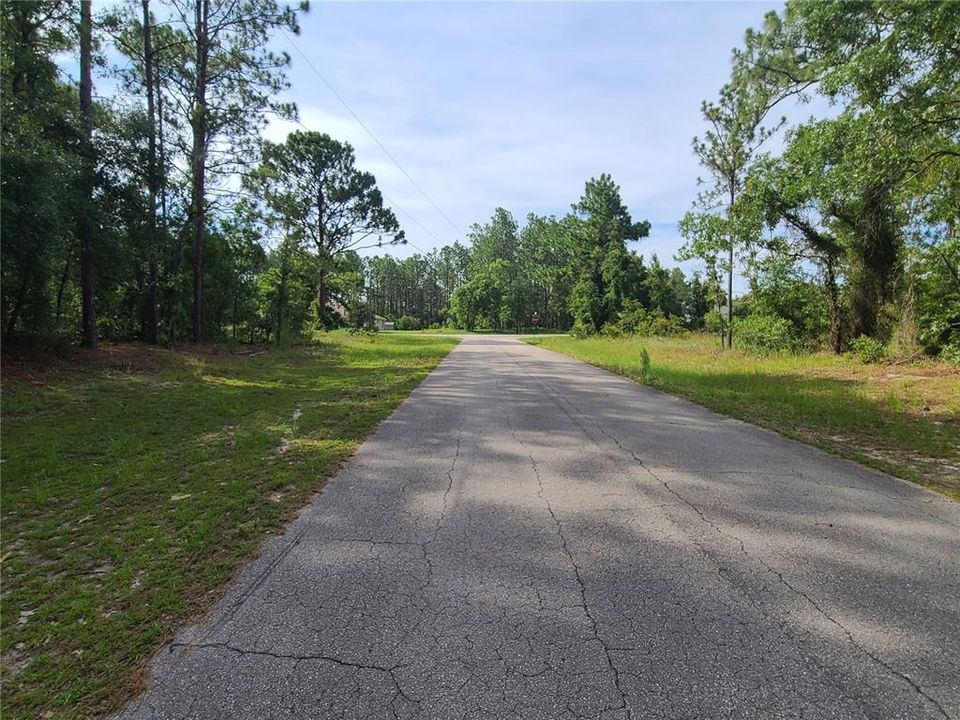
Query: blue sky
(517,105)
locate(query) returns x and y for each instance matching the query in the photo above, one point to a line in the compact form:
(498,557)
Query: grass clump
(903,419)
(868,350)
(136,480)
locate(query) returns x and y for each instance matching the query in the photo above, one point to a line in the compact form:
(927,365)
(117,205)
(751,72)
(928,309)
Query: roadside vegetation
(902,418)
(136,480)
(123,223)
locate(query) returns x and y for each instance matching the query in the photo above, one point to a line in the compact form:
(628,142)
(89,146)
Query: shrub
(867,349)
(581,331)
(662,325)
(714,322)
(759,333)
(408,322)
(951,351)
(634,319)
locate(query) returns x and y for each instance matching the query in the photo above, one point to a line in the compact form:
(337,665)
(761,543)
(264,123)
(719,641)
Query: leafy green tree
(665,289)
(498,243)
(285,290)
(783,288)
(224,84)
(599,235)
(245,258)
(38,137)
(697,302)
(735,132)
(935,265)
(547,253)
(890,158)
(313,190)
(478,302)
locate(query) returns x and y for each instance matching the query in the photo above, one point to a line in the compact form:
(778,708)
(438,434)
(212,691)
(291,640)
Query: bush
(760,333)
(581,331)
(951,351)
(868,349)
(634,319)
(714,322)
(408,322)
(661,325)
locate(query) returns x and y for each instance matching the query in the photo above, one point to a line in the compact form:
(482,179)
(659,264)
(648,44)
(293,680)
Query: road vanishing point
(527,536)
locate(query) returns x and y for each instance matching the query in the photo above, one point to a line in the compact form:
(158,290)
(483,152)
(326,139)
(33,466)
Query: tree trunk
(733,197)
(168,293)
(321,294)
(281,299)
(833,302)
(730,298)
(18,304)
(86,224)
(161,156)
(63,284)
(153,309)
(198,162)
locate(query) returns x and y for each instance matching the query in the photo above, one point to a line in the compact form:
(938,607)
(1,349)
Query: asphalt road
(530,537)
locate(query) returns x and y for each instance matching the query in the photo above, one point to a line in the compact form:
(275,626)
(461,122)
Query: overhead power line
(370,132)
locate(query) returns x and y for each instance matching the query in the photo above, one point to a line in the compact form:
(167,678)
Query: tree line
(159,211)
(575,272)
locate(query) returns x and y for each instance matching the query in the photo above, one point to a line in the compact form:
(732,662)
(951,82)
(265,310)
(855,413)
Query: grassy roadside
(902,419)
(136,480)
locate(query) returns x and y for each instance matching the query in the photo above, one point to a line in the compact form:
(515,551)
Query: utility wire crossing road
(530,537)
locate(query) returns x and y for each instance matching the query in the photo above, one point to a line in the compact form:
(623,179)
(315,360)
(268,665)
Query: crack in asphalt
(798,592)
(298,658)
(453,467)
(731,581)
(424,546)
(492,596)
(576,570)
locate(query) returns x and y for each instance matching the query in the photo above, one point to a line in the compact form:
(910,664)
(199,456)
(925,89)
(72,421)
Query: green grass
(903,419)
(136,480)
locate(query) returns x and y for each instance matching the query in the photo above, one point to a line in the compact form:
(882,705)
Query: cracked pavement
(531,537)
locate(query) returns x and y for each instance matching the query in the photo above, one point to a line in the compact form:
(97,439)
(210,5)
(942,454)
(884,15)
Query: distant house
(382,323)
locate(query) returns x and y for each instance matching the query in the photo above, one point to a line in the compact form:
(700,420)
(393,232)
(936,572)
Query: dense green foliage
(852,229)
(574,272)
(849,229)
(171,254)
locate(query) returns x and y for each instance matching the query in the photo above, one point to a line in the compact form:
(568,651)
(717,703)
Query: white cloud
(490,105)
